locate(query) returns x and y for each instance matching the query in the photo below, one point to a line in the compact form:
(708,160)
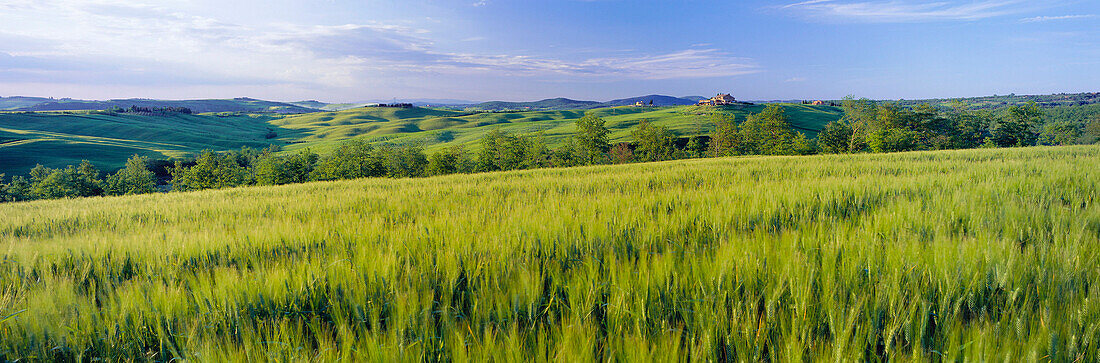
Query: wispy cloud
(118,41)
(1039,19)
(904,11)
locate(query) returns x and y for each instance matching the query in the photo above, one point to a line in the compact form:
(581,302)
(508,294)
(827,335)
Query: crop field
(981,255)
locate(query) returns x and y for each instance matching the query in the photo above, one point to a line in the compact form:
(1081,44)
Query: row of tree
(872,127)
(866,127)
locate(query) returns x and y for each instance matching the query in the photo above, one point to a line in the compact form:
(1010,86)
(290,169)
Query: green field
(60,139)
(57,139)
(442,128)
(978,255)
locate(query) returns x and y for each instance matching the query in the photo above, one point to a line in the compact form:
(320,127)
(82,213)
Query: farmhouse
(719,100)
(818,103)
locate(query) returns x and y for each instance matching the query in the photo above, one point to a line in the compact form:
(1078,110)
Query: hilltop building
(819,103)
(719,100)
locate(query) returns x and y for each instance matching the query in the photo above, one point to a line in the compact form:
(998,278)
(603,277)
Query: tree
(299,167)
(565,156)
(592,139)
(769,133)
(835,138)
(135,178)
(88,180)
(211,171)
(406,161)
(490,150)
(696,146)
(17,190)
(1060,133)
(1091,133)
(57,183)
(725,140)
(621,154)
(351,160)
(969,129)
(892,139)
(654,143)
(1016,127)
(70,182)
(501,151)
(450,161)
(862,116)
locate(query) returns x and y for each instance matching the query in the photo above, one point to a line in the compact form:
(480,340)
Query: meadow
(979,255)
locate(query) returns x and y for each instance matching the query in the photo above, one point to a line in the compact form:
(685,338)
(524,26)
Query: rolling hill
(438,128)
(56,139)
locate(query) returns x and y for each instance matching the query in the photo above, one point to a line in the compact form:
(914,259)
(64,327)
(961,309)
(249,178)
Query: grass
(979,255)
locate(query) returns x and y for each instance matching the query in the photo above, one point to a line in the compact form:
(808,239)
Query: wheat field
(979,255)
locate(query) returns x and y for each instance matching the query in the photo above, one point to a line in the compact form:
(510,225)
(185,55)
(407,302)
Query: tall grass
(985,255)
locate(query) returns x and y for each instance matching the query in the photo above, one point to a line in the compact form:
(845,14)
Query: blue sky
(345,51)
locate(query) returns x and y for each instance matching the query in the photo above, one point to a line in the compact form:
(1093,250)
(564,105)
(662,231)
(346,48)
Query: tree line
(870,127)
(865,127)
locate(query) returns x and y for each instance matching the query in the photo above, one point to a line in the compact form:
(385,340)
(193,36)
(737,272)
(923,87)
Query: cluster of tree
(870,127)
(83,180)
(394,105)
(766,133)
(152,110)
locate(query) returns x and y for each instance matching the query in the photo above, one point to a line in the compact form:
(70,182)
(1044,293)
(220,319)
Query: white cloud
(133,43)
(1039,19)
(904,11)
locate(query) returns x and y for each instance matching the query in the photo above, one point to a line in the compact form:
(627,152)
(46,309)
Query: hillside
(961,256)
(437,128)
(246,105)
(58,139)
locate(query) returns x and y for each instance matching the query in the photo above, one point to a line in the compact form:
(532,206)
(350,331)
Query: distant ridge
(658,100)
(548,104)
(561,104)
(242,104)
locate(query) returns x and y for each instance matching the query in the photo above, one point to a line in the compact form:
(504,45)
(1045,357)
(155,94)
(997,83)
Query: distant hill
(563,104)
(995,102)
(247,105)
(544,105)
(17,102)
(658,100)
